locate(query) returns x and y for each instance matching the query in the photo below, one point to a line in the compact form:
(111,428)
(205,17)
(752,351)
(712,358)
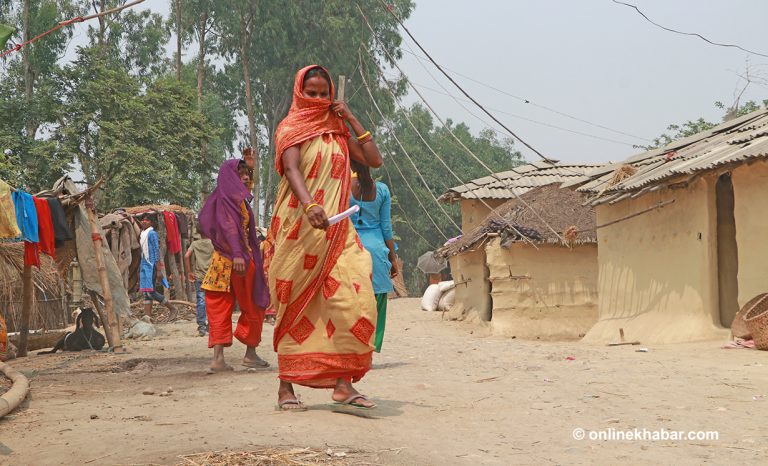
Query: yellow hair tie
(364,135)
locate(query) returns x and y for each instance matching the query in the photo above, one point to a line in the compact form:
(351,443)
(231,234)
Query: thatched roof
(140,209)
(532,214)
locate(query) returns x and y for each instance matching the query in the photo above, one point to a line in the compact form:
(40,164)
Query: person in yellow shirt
(236,272)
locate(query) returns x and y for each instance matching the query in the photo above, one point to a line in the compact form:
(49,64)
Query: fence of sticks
(50,309)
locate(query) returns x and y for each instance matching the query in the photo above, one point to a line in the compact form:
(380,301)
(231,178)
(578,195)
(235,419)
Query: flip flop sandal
(211,371)
(260,364)
(351,402)
(281,406)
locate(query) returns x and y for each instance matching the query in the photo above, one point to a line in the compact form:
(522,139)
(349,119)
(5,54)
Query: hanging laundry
(8,226)
(181,219)
(47,240)
(26,216)
(60,227)
(173,240)
(31,254)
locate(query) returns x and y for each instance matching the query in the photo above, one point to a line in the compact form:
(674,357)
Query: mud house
(537,259)
(478,197)
(681,234)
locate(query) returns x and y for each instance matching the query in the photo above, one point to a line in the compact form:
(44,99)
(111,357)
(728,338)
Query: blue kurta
(147,265)
(374,226)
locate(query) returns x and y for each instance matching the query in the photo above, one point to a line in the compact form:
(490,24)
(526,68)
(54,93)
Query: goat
(84,337)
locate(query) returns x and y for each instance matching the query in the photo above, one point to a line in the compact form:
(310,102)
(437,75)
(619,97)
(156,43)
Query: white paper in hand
(339,217)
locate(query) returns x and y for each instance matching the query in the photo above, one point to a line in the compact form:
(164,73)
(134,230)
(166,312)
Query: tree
(412,197)
(691,127)
(27,95)
(143,141)
(292,34)
(194,23)
(137,39)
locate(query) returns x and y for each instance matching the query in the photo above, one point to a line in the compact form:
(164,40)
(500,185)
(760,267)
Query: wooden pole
(26,309)
(111,326)
(342,87)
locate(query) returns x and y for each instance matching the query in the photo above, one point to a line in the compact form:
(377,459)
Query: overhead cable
(688,33)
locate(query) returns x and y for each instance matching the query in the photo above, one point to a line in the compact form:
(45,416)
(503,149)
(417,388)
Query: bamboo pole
(111,325)
(342,87)
(26,309)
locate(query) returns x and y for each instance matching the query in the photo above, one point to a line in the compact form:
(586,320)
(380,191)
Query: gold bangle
(306,209)
(364,135)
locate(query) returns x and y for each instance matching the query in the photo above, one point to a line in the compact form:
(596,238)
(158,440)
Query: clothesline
(61,24)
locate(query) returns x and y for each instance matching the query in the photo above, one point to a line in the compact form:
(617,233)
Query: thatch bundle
(49,309)
(140,209)
(547,214)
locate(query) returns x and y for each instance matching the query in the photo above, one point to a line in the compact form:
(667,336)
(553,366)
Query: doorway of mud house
(727,251)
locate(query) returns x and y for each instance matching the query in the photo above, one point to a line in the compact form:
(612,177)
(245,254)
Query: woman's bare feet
(218,364)
(345,393)
(287,399)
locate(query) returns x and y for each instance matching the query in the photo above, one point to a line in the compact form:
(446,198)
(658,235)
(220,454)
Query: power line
(548,125)
(61,24)
(407,117)
(405,215)
(687,33)
(426,211)
(530,102)
(397,18)
(415,168)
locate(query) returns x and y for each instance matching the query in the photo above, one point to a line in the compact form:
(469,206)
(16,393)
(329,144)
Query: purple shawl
(221,220)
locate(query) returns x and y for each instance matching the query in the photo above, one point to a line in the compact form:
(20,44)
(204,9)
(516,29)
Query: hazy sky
(592,59)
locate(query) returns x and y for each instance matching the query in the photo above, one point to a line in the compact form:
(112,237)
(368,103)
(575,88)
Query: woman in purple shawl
(236,271)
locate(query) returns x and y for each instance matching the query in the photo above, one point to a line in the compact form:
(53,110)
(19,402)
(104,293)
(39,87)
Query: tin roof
(731,143)
(512,183)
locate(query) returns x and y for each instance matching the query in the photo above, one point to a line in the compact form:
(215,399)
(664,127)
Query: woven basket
(756,318)
(738,326)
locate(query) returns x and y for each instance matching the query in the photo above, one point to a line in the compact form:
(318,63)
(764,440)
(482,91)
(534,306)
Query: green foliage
(117,110)
(27,121)
(691,127)
(145,143)
(286,35)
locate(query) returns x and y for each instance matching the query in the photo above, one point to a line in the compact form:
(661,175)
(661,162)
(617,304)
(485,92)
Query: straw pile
(140,209)
(270,456)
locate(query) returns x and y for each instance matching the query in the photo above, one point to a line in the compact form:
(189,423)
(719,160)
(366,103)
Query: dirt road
(447,394)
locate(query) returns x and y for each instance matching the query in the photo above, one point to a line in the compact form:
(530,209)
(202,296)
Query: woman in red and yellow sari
(319,275)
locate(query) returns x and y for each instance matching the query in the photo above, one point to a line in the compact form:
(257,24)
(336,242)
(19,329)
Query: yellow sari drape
(320,281)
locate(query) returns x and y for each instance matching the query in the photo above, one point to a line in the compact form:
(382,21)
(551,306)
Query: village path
(447,394)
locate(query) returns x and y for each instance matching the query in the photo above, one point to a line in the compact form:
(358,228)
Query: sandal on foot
(258,364)
(226,368)
(281,405)
(352,401)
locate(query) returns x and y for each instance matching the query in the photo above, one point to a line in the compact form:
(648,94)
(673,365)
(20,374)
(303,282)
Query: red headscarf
(306,119)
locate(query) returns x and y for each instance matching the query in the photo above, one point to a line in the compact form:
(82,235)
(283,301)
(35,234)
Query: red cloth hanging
(31,254)
(173,239)
(45,227)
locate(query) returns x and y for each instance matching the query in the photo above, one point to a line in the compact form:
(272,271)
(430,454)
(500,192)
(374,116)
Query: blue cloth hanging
(26,216)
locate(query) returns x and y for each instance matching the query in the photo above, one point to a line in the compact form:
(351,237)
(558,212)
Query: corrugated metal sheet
(739,140)
(511,183)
